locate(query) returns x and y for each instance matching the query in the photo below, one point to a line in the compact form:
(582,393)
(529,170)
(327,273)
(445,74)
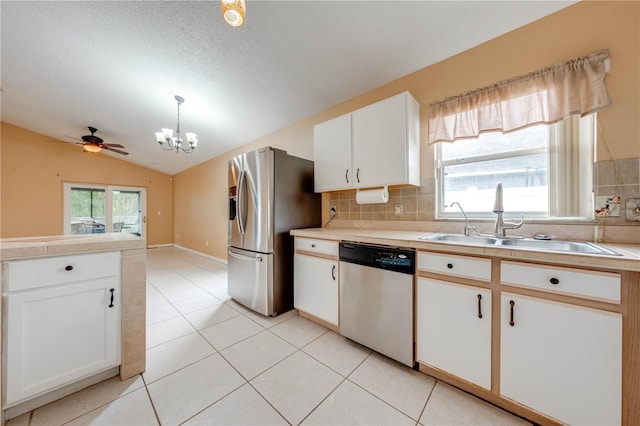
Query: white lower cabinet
(315,287)
(562,360)
(454,329)
(58,332)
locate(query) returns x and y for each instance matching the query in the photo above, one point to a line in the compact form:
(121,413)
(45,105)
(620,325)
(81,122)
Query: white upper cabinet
(374,146)
(385,138)
(332,154)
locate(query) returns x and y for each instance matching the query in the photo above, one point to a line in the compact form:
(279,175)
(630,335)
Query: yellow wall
(34,170)
(201,192)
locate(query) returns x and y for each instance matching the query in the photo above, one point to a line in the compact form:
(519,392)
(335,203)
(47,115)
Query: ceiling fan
(92,143)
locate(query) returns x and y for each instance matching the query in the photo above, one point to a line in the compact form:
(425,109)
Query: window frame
(555,136)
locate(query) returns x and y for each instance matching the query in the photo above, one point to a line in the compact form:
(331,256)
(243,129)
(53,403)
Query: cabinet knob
(554,281)
(68,268)
(450,265)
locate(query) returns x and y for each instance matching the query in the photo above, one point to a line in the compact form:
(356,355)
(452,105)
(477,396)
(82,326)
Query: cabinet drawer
(317,246)
(459,266)
(575,282)
(34,273)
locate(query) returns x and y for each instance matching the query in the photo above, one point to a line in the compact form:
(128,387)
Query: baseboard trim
(208,256)
(160,245)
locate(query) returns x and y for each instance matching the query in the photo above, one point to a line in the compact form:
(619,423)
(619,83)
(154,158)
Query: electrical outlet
(333,211)
(398,210)
(206,243)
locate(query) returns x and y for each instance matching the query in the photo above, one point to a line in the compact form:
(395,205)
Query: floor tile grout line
(268,402)
(323,399)
(110,401)
(385,402)
(424,408)
(153,406)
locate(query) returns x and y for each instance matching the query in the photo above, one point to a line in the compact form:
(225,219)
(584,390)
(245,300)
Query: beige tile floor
(210,361)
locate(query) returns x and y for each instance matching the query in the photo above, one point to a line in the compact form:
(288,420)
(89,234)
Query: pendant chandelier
(169,142)
(233,11)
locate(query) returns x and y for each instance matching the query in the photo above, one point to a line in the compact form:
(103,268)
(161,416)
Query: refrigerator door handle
(239,205)
(239,256)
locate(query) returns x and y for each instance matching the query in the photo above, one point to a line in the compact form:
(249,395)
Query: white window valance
(544,96)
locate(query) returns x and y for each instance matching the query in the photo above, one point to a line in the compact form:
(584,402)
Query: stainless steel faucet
(502,226)
(468,229)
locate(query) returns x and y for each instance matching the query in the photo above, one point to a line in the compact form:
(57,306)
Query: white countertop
(628,261)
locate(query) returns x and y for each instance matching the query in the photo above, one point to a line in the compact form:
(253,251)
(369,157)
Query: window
(545,171)
(96,209)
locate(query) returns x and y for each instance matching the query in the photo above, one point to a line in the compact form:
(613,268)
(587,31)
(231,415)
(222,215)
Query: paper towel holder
(372,195)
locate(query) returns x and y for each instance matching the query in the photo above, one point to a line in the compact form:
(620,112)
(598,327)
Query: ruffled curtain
(544,96)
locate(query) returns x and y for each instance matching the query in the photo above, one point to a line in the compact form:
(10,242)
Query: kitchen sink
(547,245)
(568,246)
(459,238)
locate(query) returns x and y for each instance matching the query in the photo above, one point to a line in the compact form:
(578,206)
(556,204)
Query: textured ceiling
(117,65)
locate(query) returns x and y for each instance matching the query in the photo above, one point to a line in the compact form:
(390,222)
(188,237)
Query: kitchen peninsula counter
(132,258)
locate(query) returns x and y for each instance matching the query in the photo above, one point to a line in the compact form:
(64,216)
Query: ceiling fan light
(91,147)
(233,11)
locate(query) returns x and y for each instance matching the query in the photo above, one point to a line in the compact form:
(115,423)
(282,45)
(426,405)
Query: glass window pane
(126,212)
(87,210)
(497,142)
(524,181)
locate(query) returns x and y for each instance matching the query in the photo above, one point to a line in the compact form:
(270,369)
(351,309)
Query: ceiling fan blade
(74,138)
(115,150)
(112,145)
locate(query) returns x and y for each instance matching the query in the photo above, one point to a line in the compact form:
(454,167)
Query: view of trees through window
(88,210)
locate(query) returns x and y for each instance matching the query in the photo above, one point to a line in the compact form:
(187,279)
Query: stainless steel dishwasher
(376,298)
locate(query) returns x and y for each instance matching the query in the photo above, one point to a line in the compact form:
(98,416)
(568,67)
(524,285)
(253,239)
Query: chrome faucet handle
(511,225)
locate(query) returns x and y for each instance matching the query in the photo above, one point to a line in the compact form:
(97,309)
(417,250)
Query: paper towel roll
(372,196)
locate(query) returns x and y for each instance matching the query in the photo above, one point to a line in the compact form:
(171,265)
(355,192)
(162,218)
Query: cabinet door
(454,329)
(332,154)
(379,139)
(562,360)
(315,287)
(60,334)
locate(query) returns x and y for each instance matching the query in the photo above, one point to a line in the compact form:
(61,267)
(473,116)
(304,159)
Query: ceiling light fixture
(168,142)
(89,147)
(233,11)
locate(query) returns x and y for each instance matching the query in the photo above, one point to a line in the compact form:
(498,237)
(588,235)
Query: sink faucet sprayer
(502,226)
(468,229)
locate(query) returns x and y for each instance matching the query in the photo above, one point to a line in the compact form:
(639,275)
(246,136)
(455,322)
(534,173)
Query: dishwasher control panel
(395,259)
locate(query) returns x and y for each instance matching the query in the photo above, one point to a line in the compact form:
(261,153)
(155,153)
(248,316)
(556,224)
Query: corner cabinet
(315,279)
(373,146)
(62,321)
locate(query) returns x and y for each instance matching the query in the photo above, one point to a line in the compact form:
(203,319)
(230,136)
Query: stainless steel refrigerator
(270,193)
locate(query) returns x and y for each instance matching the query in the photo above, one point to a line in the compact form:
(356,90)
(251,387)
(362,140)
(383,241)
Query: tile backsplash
(417,203)
(610,178)
(619,178)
